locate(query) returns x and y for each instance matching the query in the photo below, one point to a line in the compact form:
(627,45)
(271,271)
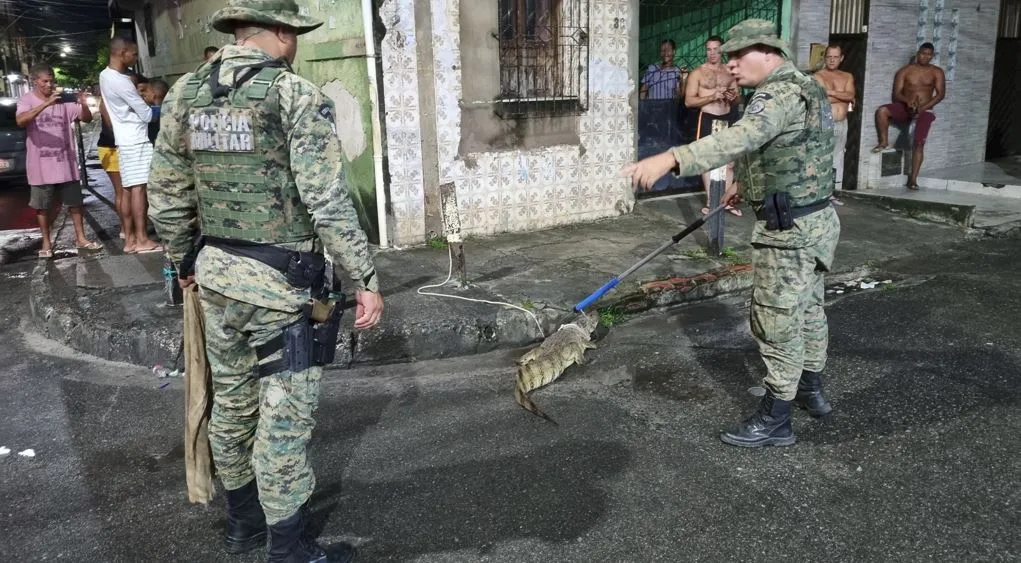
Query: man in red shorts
(917,88)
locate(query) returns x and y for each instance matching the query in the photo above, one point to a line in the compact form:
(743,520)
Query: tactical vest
(799,163)
(240,160)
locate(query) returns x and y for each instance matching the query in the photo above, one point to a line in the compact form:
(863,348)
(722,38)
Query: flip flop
(705,211)
(93,245)
(734,211)
(879,148)
(157,248)
(45,254)
(913,187)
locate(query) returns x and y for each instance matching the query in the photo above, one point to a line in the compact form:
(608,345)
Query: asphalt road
(433,461)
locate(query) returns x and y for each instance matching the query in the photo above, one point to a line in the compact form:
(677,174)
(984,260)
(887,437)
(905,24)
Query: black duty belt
(797,212)
(275,257)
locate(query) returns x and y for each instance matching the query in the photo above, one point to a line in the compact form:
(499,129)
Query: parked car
(12,144)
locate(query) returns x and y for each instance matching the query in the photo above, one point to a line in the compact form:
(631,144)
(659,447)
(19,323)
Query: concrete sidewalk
(114,306)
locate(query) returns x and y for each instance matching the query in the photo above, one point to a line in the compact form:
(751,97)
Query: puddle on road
(668,382)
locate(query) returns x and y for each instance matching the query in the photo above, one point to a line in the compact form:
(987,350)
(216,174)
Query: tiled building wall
(403,129)
(959,134)
(513,190)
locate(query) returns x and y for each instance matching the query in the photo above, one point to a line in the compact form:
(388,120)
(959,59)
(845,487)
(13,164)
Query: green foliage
(610,316)
(61,76)
(84,72)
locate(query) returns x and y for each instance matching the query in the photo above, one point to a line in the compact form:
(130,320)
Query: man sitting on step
(917,88)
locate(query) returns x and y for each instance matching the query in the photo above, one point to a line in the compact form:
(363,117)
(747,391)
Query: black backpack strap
(217,90)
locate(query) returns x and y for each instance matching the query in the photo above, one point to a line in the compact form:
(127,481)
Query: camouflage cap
(754,32)
(268,12)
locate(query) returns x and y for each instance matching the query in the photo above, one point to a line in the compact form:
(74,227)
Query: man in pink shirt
(50,160)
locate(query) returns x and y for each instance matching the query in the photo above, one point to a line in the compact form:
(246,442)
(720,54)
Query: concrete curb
(680,290)
(936,212)
(20,249)
(459,333)
(64,323)
(464,333)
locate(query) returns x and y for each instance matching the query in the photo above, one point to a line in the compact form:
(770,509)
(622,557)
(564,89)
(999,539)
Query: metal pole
(717,187)
(81,154)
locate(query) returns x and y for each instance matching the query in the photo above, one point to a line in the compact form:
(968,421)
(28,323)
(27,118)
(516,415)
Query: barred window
(543,57)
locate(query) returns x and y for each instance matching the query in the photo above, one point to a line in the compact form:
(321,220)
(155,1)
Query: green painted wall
(331,56)
(336,52)
(689,24)
(785,16)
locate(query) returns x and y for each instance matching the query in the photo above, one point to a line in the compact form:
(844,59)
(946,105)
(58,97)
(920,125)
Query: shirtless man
(713,92)
(917,88)
(840,90)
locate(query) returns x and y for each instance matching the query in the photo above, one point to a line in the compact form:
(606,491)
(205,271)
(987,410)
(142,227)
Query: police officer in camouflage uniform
(783,146)
(248,157)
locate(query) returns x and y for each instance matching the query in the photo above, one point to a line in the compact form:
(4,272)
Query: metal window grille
(1010,19)
(849,17)
(690,22)
(544,56)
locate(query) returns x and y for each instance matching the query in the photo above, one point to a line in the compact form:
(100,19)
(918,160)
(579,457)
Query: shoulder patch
(758,103)
(326,112)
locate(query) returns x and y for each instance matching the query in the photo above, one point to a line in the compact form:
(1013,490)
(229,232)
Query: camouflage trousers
(787,317)
(259,428)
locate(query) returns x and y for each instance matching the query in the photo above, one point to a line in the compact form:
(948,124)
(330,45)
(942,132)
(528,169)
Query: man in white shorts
(130,117)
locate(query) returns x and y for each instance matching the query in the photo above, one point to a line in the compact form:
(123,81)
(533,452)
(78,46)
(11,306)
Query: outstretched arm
(766,117)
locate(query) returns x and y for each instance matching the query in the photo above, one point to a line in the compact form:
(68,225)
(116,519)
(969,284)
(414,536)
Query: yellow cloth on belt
(198,402)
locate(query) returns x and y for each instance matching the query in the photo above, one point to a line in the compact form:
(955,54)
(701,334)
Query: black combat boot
(810,395)
(246,523)
(289,543)
(768,426)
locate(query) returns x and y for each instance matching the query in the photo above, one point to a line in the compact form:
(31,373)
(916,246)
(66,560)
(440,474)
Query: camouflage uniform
(270,133)
(783,143)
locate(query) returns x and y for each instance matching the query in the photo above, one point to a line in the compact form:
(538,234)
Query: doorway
(854,47)
(1003,137)
(849,21)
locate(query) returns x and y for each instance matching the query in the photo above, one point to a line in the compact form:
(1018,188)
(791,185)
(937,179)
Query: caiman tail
(522,398)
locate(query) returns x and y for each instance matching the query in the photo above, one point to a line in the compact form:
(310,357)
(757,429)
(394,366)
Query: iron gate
(690,22)
(662,123)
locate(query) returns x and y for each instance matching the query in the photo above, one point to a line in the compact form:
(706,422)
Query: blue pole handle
(595,296)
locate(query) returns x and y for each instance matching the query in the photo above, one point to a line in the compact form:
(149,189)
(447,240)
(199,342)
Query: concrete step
(954,207)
